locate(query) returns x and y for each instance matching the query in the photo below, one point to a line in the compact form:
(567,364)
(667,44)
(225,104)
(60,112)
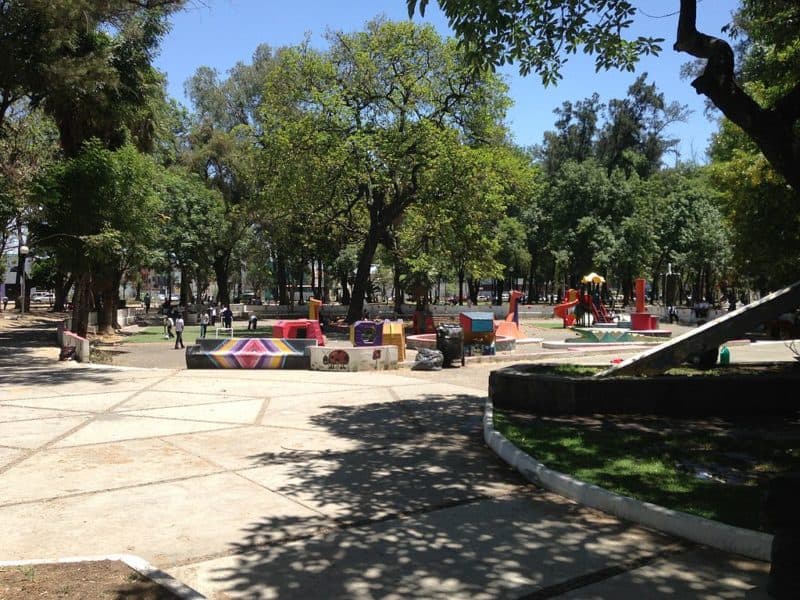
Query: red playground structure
(566,310)
(577,305)
(592,299)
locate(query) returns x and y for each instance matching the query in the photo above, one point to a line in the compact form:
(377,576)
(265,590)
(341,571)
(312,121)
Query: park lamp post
(23,253)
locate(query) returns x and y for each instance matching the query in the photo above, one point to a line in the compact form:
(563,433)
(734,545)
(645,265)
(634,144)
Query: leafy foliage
(541,35)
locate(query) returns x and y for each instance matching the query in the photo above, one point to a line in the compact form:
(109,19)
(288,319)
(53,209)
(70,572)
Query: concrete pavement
(260,484)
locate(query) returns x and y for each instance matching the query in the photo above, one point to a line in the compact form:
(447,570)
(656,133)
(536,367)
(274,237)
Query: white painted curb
(746,542)
(136,563)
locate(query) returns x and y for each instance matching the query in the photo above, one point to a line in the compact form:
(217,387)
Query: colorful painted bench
(249,353)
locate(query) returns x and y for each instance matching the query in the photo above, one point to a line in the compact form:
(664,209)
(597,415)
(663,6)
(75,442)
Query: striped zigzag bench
(249,353)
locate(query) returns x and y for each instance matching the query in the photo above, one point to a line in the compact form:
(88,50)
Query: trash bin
(450,342)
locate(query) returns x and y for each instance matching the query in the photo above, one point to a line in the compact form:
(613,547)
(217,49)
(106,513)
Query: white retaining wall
(67,339)
(363,358)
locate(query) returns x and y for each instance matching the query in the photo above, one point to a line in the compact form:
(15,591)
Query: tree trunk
(474,286)
(773,130)
(185,291)
(498,288)
(62,286)
(356,309)
(114,300)
(461,276)
(280,273)
(300,283)
(105,291)
(399,292)
(81,301)
(221,269)
(108,314)
(345,283)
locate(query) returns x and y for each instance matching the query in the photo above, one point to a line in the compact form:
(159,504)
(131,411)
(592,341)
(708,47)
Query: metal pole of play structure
(640,283)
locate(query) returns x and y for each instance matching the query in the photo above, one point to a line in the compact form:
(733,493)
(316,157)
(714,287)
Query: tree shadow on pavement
(21,362)
(423,509)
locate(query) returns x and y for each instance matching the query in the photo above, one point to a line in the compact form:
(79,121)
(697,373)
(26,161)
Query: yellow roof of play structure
(593,278)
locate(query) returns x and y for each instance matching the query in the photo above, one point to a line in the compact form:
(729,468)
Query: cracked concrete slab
(242,412)
(32,434)
(10,413)
(79,470)
(699,573)
(246,447)
(163,522)
(373,484)
(94,402)
(9,454)
(113,427)
(503,547)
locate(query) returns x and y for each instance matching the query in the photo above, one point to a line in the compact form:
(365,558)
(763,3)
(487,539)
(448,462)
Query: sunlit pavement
(308,485)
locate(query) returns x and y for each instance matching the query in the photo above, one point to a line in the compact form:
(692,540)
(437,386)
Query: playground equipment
(377,333)
(641,320)
(302,328)
(566,310)
(591,300)
(479,334)
(299,329)
(587,301)
(393,334)
(314,308)
(366,333)
(509,327)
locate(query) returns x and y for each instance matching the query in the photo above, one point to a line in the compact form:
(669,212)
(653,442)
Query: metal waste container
(450,342)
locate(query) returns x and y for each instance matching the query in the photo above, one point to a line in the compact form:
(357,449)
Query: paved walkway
(286,484)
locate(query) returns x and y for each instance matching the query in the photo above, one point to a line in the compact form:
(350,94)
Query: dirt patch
(100,580)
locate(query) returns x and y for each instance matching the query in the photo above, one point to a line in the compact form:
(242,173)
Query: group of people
(209,317)
(174,324)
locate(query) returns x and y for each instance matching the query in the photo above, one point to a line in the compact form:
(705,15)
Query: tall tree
(101,217)
(634,137)
(575,134)
(541,34)
(88,65)
(395,95)
(760,209)
(221,141)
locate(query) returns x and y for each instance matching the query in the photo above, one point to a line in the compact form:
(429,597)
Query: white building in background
(9,278)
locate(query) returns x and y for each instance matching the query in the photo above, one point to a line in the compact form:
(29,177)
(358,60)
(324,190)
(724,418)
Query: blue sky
(220,33)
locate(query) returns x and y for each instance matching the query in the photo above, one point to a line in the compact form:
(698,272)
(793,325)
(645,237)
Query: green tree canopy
(540,35)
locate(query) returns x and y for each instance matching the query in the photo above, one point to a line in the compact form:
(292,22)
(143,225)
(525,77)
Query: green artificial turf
(191,332)
(642,464)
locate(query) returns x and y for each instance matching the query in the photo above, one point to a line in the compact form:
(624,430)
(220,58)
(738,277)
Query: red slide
(566,311)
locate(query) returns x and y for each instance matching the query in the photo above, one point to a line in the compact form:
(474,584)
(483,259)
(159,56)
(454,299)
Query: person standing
(147,303)
(170,324)
(204,319)
(179,332)
(227,317)
(213,315)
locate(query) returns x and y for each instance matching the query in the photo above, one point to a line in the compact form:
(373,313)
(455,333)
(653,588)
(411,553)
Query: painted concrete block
(367,358)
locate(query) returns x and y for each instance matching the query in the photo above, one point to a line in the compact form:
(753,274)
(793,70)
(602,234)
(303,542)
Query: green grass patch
(565,370)
(154,333)
(644,464)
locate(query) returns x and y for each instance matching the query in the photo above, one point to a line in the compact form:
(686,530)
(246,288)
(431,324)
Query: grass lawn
(191,332)
(643,462)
